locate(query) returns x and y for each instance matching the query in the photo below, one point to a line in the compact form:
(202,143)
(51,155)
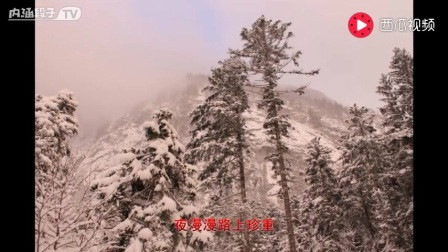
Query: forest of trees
(362,202)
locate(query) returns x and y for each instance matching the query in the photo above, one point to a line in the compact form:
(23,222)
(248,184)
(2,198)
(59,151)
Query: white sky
(122,52)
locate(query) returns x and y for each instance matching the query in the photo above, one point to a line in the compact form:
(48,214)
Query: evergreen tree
(362,164)
(268,241)
(153,188)
(267,50)
(64,213)
(219,133)
(320,225)
(396,89)
(55,124)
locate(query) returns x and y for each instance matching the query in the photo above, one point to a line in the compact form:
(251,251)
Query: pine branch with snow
(150,190)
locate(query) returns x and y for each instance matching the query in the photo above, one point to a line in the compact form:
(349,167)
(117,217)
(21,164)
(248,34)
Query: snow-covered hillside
(312,115)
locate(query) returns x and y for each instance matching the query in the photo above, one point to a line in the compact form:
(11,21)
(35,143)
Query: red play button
(360,25)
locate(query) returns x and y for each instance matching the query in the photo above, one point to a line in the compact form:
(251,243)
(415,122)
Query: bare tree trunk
(287,203)
(285,191)
(247,247)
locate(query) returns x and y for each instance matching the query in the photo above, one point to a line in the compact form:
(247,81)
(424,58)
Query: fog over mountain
(312,115)
(120,53)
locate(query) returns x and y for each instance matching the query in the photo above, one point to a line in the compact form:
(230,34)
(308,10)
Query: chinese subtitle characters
(224,224)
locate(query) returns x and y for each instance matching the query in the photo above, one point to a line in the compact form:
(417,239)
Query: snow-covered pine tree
(359,177)
(55,124)
(219,135)
(268,241)
(396,89)
(153,188)
(320,225)
(64,213)
(268,52)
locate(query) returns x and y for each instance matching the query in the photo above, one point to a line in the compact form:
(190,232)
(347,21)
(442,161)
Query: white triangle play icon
(360,25)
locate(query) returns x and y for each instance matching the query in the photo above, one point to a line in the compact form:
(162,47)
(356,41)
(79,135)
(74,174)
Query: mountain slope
(312,115)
